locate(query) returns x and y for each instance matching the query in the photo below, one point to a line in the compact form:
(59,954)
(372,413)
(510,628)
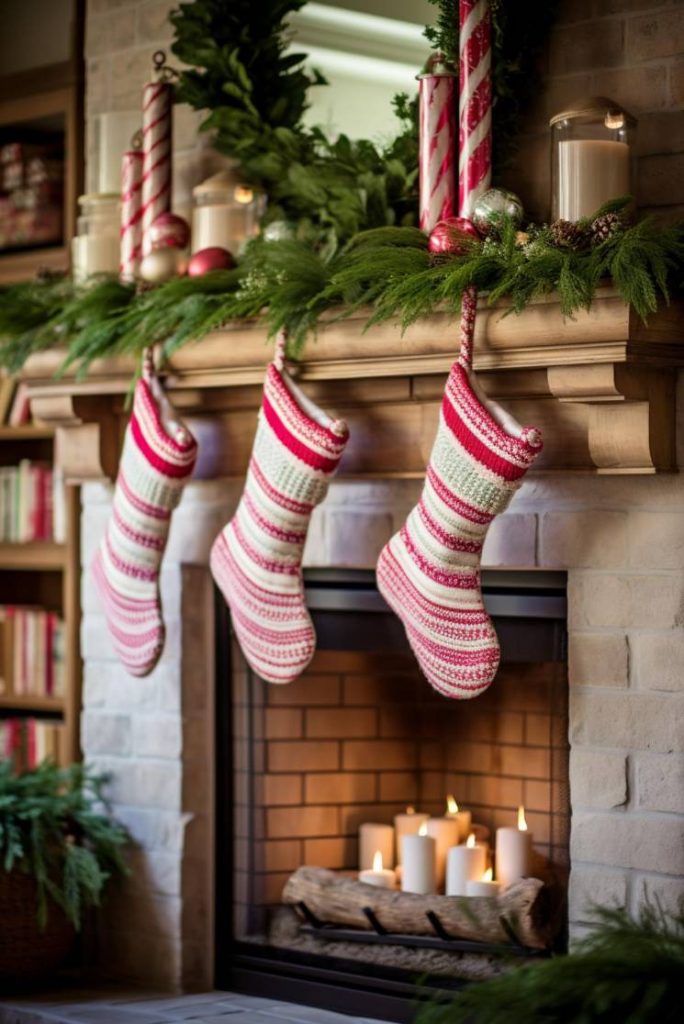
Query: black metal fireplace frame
(386,993)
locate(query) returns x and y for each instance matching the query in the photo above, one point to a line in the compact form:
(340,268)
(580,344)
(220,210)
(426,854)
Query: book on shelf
(32,651)
(31,503)
(20,410)
(7,389)
(30,741)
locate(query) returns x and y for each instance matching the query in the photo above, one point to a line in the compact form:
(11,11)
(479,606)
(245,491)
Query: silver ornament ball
(279,231)
(162,264)
(492,206)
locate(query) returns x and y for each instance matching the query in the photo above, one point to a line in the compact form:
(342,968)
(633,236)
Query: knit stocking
(256,559)
(429,572)
(158,457)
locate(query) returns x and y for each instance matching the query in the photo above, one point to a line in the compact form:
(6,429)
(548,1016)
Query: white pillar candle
(383,878)
(446,833)
(406,824)
(483,886)
(374,837)
(590,172)
(418,869)
(117,128)
(465,863)
(513,849)
(464,818)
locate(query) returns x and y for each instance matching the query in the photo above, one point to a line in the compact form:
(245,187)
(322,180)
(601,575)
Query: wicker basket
(26,950)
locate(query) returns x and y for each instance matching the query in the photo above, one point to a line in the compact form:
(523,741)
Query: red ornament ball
(212,258)
(451,235)
(168,229)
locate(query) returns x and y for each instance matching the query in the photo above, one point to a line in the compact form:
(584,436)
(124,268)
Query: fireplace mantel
(601,386)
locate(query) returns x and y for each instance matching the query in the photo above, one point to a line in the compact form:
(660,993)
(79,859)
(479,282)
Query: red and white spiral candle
(475,103)
(437,142)
(156,180)
(131,214)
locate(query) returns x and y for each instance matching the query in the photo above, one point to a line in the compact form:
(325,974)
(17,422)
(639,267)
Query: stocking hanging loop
(148,364)
(280,346)
(468,314)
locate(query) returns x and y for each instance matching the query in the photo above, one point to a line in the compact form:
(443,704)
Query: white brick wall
(622,540)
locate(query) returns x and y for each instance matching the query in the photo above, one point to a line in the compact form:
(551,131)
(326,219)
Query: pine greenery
(54,825)
(625,972)
(292,283)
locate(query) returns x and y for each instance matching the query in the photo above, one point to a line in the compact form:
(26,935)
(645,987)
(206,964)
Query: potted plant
(58,846)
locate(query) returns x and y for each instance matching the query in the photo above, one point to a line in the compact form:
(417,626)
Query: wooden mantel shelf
(601,386)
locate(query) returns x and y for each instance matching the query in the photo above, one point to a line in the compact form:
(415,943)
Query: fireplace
(358,738)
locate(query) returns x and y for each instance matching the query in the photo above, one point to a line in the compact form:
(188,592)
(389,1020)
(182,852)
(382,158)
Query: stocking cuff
(172,456)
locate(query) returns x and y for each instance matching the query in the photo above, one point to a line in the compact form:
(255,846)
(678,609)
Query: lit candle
(483,886)
(406,824)
(590,173)
(374,837)
(464,863)
(513,848)
(418,871)
(446,832)
(384,878)
(464,818)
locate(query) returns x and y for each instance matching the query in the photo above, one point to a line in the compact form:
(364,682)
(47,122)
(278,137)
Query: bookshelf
(45,575)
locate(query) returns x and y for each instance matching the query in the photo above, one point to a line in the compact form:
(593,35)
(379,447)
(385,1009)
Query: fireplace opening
(359,738)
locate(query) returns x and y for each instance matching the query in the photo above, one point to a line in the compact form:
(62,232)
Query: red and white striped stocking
(429,572)
(256,559)
(158,458)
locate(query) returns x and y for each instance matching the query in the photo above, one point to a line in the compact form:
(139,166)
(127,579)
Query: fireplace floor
(135,1007)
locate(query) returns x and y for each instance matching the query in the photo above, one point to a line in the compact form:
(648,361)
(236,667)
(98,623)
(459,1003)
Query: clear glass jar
(226,213)
(591,156)
(96,248)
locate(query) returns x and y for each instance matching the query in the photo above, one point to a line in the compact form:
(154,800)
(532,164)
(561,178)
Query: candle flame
(614,120)
(422,831)
(377,860)
(243,194)
(410,810)
(470,841)
(522,824)
(452,806)
(488,875)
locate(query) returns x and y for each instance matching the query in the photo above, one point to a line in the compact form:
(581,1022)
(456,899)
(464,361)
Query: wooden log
(336,899)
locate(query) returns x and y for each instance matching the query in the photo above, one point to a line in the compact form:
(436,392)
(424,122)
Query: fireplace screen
(361,737)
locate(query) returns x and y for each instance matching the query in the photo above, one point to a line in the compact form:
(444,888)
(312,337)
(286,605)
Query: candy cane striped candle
(437,141)
(131,213)
(475,103)
(156,180)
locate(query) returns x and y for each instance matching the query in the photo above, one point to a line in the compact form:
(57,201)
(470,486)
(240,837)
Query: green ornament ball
(492,206)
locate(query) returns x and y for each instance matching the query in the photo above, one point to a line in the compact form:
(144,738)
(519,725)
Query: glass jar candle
(95,248)
(591,156)
(226,213)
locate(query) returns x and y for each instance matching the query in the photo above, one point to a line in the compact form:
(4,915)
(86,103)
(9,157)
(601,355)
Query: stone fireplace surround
(620,537)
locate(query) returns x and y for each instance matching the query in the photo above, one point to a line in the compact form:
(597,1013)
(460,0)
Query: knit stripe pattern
(256,559)
(153,470)
(429,572)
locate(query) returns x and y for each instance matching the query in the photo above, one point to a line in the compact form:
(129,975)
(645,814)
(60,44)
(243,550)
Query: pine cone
(605,227)
(567,234)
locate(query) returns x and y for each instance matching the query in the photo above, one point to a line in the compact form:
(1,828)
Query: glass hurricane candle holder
(95,247)
(226,213)
(591,157)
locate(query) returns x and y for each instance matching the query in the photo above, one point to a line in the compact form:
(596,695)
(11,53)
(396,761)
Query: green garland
(349,208)
(388,269)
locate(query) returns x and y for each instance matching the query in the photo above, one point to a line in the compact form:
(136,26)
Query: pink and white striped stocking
(158,458)
(429,572)
(256,559)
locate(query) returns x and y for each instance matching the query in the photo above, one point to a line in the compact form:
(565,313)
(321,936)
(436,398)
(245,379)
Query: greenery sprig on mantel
(388,270)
